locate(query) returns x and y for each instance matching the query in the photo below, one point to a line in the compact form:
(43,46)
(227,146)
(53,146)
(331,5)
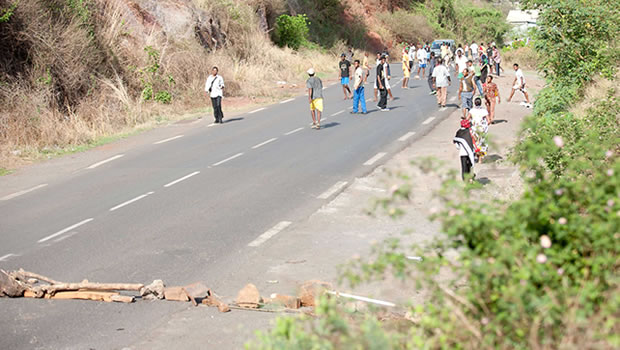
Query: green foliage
(540,271)
(5,14)
(154,84)
(292,31)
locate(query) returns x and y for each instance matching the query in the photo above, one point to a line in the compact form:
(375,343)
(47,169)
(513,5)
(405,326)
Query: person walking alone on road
(315,97)
(497,59)
(214,87)
(358,89)
(464,143)
(441,80)
(345,73)
(519,84)
(421,55)
(381,81)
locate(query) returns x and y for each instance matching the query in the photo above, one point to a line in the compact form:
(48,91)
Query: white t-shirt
(412,54)
(520,77)
(462,62)
(359,73)
(474,48)
(421,54)
(441,74)
(477,115)
(216,86)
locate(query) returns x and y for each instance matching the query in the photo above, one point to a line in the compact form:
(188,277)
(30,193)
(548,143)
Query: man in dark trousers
(465,144)
(381,80)
(215,89)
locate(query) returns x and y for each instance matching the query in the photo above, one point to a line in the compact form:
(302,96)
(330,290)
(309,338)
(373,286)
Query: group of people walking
(474,67)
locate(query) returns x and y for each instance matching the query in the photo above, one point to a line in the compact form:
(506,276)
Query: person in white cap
(315,98)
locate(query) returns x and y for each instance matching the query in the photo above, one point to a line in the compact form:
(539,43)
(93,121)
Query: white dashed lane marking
(105,161)
(428,121)
(287,101)
(131,201)
(257,110)
(332,190)
(293,131)
(442,109)
(270,233)
(264,143)
(406,136)
(182,179)
(168,139)
(72,227)
(453,98)
(6,257)
(228,159)
(17,194)
(374,159)
(335,114)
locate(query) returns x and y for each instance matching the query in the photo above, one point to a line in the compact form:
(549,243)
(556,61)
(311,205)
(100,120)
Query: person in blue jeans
(358,89)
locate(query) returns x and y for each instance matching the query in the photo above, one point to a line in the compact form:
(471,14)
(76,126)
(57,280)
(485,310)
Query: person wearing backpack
(214,88)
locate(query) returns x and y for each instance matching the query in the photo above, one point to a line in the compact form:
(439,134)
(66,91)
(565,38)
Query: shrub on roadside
(292,31)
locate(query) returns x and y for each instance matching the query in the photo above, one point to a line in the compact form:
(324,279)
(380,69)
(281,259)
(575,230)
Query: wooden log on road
(54,288)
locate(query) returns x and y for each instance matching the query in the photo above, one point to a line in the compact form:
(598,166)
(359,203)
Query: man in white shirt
(421,56)
(358,89)
(412,53)
(461,63)
(214,88)
(474,50)
(519,84)
(441,80)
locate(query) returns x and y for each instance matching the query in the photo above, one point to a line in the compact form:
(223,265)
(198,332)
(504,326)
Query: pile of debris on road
(16,284)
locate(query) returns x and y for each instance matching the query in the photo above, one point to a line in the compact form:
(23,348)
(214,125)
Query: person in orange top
(491,93)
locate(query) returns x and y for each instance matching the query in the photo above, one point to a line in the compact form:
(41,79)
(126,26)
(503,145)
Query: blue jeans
(358,97)
(467,98)
(479,85)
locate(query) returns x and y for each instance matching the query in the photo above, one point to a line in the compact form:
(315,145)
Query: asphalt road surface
(186,207)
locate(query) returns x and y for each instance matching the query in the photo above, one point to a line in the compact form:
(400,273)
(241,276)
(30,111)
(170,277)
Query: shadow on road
(329,125)
(232,120)
(499,121)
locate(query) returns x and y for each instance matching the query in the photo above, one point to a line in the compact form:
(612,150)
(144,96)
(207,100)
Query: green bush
(292,31)
(538,272)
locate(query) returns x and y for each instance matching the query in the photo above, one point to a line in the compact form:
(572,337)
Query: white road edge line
(182,179)
(257,110)
(270,233)
(335,114)
(168,139)
(105,161)
(361,298)
(5,257)
(17,194)
(330,192)
(427,121)
(293,131)
(228,159)
(65,230)
(287,101)
(374,159)
(131,201)
(211,125)
(406,136)
(264,143)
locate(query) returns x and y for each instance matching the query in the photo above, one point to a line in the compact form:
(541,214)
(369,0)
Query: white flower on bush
(545,241)
(562,221)
(558,141)
(541,258)
(560,271)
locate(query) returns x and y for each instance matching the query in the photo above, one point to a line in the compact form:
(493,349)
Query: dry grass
(526,57)
(73,90)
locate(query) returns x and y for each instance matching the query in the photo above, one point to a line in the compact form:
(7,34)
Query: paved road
(186,207)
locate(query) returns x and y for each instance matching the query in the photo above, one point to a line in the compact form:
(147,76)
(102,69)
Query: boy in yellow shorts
(315,98)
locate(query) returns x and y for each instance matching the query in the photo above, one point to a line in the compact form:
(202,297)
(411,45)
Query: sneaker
(385,109)
(313,126)
(432,92)
(352,112)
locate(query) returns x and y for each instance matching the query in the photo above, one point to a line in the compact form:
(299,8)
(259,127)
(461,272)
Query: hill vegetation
(75,71)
